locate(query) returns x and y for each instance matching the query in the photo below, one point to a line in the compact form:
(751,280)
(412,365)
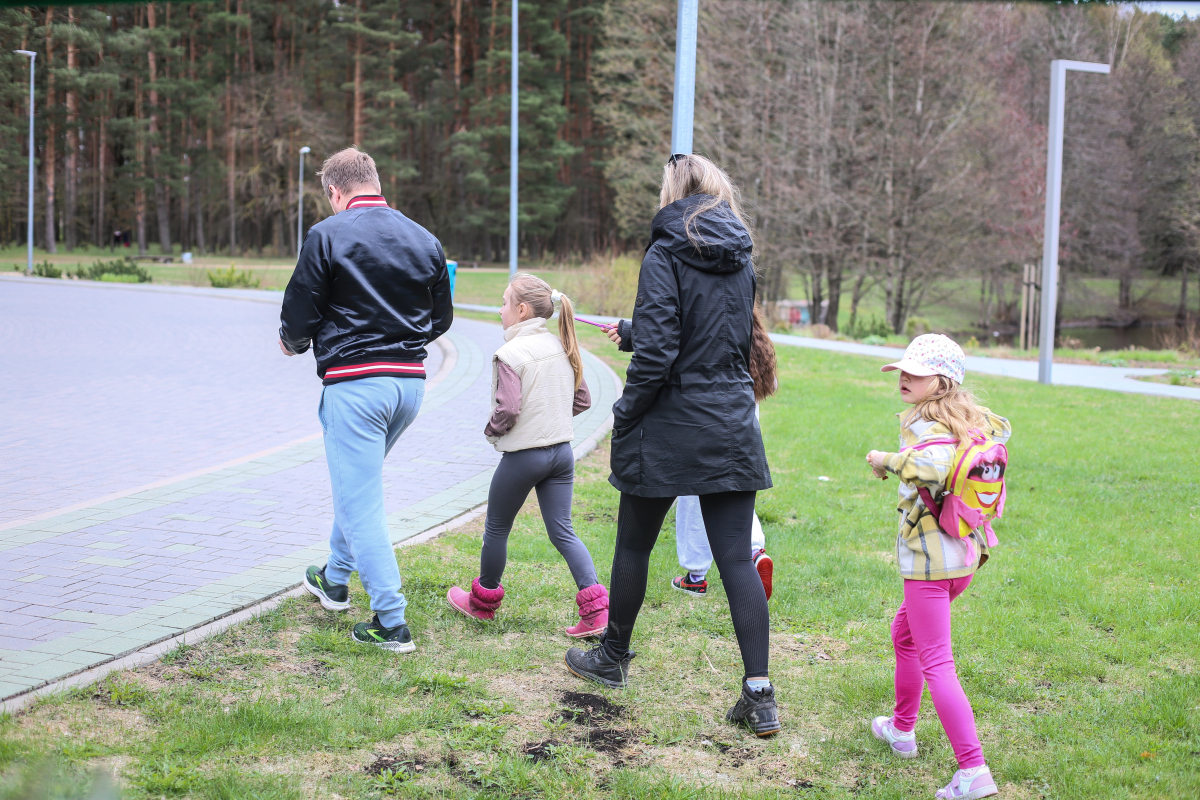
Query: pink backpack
(974,491)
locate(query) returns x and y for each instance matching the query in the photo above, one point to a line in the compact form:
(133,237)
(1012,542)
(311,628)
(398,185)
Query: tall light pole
(300,204)
(1054,155)
(512,152)
(32,56)
(683,113)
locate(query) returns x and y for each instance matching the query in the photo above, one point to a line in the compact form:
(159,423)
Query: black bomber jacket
(370,292)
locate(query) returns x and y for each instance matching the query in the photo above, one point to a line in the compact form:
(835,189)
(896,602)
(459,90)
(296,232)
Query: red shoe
(479,603)
(766,570)
(684,583)
(593,612)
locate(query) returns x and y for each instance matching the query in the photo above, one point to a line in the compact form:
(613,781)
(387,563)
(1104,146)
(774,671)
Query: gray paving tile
(196,548)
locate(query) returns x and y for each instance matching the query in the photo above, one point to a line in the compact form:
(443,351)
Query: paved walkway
(1095,377)
(1119,379)
(161,463)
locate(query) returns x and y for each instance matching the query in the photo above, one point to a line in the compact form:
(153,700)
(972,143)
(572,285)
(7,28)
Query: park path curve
(161,463)
(1118,379)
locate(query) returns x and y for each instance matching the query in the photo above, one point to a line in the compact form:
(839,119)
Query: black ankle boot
(756,710)
(598,666)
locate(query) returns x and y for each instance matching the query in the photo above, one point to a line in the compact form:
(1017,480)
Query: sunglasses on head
(676,158)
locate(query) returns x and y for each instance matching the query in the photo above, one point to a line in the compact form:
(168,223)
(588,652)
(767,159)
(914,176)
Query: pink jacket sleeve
(508,401)
(583,400)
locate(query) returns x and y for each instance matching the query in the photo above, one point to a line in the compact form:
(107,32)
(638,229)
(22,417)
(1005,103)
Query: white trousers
(691,539)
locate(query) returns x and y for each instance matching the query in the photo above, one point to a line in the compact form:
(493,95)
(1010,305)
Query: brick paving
(161,465)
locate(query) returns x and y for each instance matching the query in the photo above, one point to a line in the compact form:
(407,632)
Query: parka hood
(725,242)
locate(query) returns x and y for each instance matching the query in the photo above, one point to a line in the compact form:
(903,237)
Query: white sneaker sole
(894,751)
(391,647)
(975,794)
(326,603)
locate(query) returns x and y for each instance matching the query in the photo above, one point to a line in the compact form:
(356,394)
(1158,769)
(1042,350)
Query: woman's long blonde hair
(537,294)
(949,404)
(686,175)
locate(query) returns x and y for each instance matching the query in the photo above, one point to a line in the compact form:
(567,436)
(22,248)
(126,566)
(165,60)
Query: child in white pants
(691,545)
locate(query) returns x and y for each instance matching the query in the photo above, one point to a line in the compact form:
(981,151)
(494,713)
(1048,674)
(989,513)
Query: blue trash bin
(452,268)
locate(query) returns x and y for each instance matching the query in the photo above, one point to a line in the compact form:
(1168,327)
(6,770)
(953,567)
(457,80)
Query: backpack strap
(933,505)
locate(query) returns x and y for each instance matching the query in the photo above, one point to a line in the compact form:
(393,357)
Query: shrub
(232,279)
(47,270)
(876,328)
(608,288)
(916,326)
(119,270)
(877,340)
(1113,361)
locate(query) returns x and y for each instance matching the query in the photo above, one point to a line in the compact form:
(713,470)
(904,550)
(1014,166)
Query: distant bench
(155,259)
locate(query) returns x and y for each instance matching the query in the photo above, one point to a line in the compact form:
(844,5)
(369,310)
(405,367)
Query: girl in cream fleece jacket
(537,387)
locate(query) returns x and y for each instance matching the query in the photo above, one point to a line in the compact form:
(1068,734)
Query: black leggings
(728,517)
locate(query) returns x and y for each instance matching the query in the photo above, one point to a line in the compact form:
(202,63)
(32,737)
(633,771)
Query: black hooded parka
(685,423)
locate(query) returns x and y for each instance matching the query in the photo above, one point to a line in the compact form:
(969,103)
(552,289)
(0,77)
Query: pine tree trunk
(162,205)
(231,165)
(139,192)
(71,176)
(358,80)
(102,232)
(51,156)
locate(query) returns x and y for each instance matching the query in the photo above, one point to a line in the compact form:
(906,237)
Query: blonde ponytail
(566,332)
(537,294)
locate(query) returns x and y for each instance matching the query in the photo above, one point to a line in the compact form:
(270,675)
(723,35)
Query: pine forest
(880,146)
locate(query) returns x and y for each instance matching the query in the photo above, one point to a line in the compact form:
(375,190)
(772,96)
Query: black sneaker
(598,666)
(395,640)
(684,583)
(333,596)
(756,710)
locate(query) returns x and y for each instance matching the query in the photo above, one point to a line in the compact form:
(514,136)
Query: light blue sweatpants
(362,419)
(691,539)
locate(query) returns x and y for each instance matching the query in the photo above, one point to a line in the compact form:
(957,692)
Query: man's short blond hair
(349,169)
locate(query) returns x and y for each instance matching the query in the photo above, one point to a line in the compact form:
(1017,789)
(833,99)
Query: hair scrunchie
(555,295)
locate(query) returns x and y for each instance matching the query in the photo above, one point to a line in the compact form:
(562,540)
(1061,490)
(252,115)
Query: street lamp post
(683,112)
(32,56)
(300,204)
(1054,156)
(512,152)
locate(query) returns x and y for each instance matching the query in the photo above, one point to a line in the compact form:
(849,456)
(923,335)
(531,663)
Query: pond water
(1147,336)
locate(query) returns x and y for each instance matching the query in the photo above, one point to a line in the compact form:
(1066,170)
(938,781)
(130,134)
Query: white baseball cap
(932,354)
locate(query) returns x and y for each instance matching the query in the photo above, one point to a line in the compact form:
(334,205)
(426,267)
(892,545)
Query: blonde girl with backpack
(537,387)
(936,567)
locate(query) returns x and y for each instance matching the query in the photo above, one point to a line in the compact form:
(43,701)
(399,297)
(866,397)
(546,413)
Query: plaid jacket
(923,552)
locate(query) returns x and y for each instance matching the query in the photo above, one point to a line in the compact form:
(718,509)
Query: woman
(685,423)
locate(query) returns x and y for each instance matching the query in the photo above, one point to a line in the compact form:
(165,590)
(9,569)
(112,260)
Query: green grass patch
(1077,643)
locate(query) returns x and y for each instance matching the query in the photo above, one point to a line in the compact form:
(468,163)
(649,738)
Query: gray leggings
(551,471)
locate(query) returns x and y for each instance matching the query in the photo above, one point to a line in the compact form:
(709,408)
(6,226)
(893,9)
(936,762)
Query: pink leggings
(921,638)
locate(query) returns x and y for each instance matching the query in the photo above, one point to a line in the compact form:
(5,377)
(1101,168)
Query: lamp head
(304,150)
(26,53)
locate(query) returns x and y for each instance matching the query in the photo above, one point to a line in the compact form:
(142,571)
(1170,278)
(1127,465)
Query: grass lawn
(1077,643)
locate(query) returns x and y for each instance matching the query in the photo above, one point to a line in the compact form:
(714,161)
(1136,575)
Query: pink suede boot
(480,603)
(593,612)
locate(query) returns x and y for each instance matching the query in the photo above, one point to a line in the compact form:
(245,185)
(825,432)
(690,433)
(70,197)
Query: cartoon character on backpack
(975,492)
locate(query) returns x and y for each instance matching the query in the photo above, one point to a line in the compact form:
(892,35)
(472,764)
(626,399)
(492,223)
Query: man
(370,292)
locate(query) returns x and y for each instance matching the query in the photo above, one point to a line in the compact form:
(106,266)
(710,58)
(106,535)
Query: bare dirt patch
(396,762)
(584,708)
(540,751)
